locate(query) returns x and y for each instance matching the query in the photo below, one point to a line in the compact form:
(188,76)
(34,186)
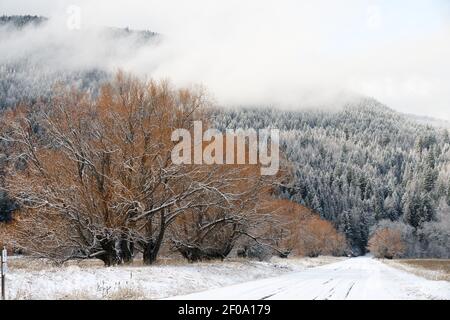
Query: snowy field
(355,279)
(296,278)
(35,280)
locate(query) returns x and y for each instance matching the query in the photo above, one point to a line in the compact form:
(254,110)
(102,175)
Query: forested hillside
(33,72)
(362,167)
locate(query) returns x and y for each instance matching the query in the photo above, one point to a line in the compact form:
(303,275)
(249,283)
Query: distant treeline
(22,21)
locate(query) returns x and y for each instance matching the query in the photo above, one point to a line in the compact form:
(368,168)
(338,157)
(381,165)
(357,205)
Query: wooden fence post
(4,269)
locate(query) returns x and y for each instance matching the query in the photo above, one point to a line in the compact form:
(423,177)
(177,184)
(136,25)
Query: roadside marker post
(4,262)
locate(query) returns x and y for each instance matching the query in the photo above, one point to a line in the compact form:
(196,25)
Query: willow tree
(94,176)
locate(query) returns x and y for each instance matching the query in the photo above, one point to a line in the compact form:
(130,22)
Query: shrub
(319,237)
(387,243)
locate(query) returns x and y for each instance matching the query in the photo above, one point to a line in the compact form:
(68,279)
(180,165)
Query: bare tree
(97,181)
(94,178)
(211,231)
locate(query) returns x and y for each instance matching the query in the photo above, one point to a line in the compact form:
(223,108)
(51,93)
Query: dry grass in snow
(431,269)
(36,279)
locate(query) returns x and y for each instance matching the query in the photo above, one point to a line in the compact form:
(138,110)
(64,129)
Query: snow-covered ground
(358,278)
(33,280)
(297,278)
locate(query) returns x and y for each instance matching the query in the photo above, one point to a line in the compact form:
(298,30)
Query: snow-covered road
(358,278)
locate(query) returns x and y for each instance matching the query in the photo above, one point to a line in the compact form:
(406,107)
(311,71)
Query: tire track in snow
(356,278)
(349,289)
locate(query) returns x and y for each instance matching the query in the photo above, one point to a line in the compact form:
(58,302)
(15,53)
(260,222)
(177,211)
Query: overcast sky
(257,51)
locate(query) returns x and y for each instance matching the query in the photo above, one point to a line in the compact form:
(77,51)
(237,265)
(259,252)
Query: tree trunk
(126,251)
(149,254)
(152,247)
(110,257)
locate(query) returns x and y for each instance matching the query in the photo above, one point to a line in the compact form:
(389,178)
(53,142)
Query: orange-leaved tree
(387,243)
(94,176)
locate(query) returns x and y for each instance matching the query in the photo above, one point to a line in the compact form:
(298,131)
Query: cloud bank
(293,53)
